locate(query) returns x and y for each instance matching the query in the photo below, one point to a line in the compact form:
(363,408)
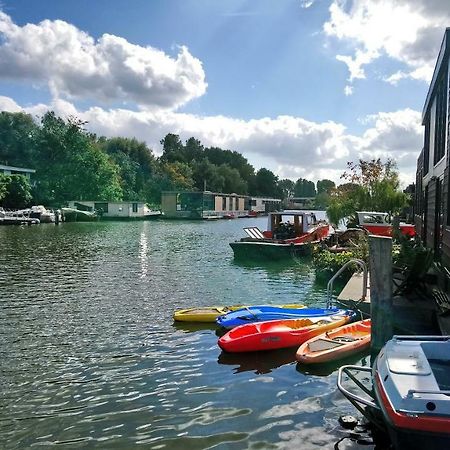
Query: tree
(207,175)
(136,164)
(266,183)
(287,188)
(180,175)
(173,150)
(17,191)
(372,185)
(325,186)
(4,182)
(304,188)
(232,181)
(16,139)
(70,164)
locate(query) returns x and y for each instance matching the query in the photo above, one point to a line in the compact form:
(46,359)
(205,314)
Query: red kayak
(275,334)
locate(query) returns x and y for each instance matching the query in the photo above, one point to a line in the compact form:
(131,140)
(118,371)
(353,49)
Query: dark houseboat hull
(269,250)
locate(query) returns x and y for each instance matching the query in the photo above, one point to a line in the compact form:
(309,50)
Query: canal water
(90,357)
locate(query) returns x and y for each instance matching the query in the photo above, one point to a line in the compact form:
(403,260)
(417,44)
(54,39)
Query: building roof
(440,65)
(17,169)
(106,201)
(204,192)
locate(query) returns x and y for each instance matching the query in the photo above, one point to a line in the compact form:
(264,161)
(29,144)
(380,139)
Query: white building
(115,210)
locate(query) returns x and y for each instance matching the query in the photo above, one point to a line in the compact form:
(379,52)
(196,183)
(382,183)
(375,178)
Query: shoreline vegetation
(73,163)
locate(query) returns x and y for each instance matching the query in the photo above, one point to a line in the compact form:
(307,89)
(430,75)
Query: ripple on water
(90,358)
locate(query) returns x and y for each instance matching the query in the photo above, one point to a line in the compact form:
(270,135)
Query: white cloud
(110,70)
(290,146)
(408,31)
(348,90)
(8,104)
(306,3)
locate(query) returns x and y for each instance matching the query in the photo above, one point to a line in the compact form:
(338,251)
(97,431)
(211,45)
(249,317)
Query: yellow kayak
(210,313)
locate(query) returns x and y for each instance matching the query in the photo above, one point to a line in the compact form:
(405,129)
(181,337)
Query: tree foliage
(371,185)
(15,191)
(304,188)
(325,186)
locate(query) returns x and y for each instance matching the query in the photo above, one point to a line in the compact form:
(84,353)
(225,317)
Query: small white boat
(411,386)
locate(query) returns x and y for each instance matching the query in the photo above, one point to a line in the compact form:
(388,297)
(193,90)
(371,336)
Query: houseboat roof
(204,192)
(17,169)
(106,201)
(443,56)
(292,212)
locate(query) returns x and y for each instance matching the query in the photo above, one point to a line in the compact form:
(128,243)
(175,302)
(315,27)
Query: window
(102,207)
(439,124)
(224,203)
(135,207)
(426,145)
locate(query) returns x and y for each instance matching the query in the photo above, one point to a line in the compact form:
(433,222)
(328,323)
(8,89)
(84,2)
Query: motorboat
(289,233)
(379,223)
(411,391)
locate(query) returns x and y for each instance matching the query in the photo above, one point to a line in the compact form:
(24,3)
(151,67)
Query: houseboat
(432,196)
(289,233)
(202,205)
(131,210)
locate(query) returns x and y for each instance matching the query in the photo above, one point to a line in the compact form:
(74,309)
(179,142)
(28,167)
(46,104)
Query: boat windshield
(374,218)
(438,358)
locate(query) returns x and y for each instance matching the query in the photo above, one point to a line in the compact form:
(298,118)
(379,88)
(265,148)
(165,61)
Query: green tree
(180,175)
(173,149)
(70,164)
(266,183)
(136,164)
(232,181)
(17,191)
(287,188)
(371,185)
(325,186)
(4,182)
(207,175)
(304,188)
(16,139)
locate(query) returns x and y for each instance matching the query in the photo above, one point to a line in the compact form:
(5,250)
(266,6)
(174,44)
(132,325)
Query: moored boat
(76,215)
(277,333)
(411,391)
(211,313)
(263,313)
(379,223)
(336,344)
(412,388)
(289,233)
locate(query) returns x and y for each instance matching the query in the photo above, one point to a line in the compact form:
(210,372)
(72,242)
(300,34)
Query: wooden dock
(412,315)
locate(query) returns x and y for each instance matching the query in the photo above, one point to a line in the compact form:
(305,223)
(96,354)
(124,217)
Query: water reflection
(143,248)
(90,355)
(192,327)
(325,369)
(258,362)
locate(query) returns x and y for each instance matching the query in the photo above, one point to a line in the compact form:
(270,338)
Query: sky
(300,87)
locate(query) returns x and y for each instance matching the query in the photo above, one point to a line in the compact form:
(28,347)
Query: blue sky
(297,86)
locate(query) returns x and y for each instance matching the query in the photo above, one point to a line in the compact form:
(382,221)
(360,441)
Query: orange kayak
(335,344)
(275,334)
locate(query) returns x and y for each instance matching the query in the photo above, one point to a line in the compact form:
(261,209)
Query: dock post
(381,309)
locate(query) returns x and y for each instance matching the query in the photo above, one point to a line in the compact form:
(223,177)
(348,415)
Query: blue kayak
(264,313)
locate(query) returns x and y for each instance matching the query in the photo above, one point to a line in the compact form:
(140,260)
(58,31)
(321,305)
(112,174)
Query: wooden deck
(412,315)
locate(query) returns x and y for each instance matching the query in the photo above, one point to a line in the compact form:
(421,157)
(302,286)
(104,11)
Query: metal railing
(358,262)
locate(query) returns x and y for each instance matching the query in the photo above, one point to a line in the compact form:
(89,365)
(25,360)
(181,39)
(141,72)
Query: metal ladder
(362,265)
